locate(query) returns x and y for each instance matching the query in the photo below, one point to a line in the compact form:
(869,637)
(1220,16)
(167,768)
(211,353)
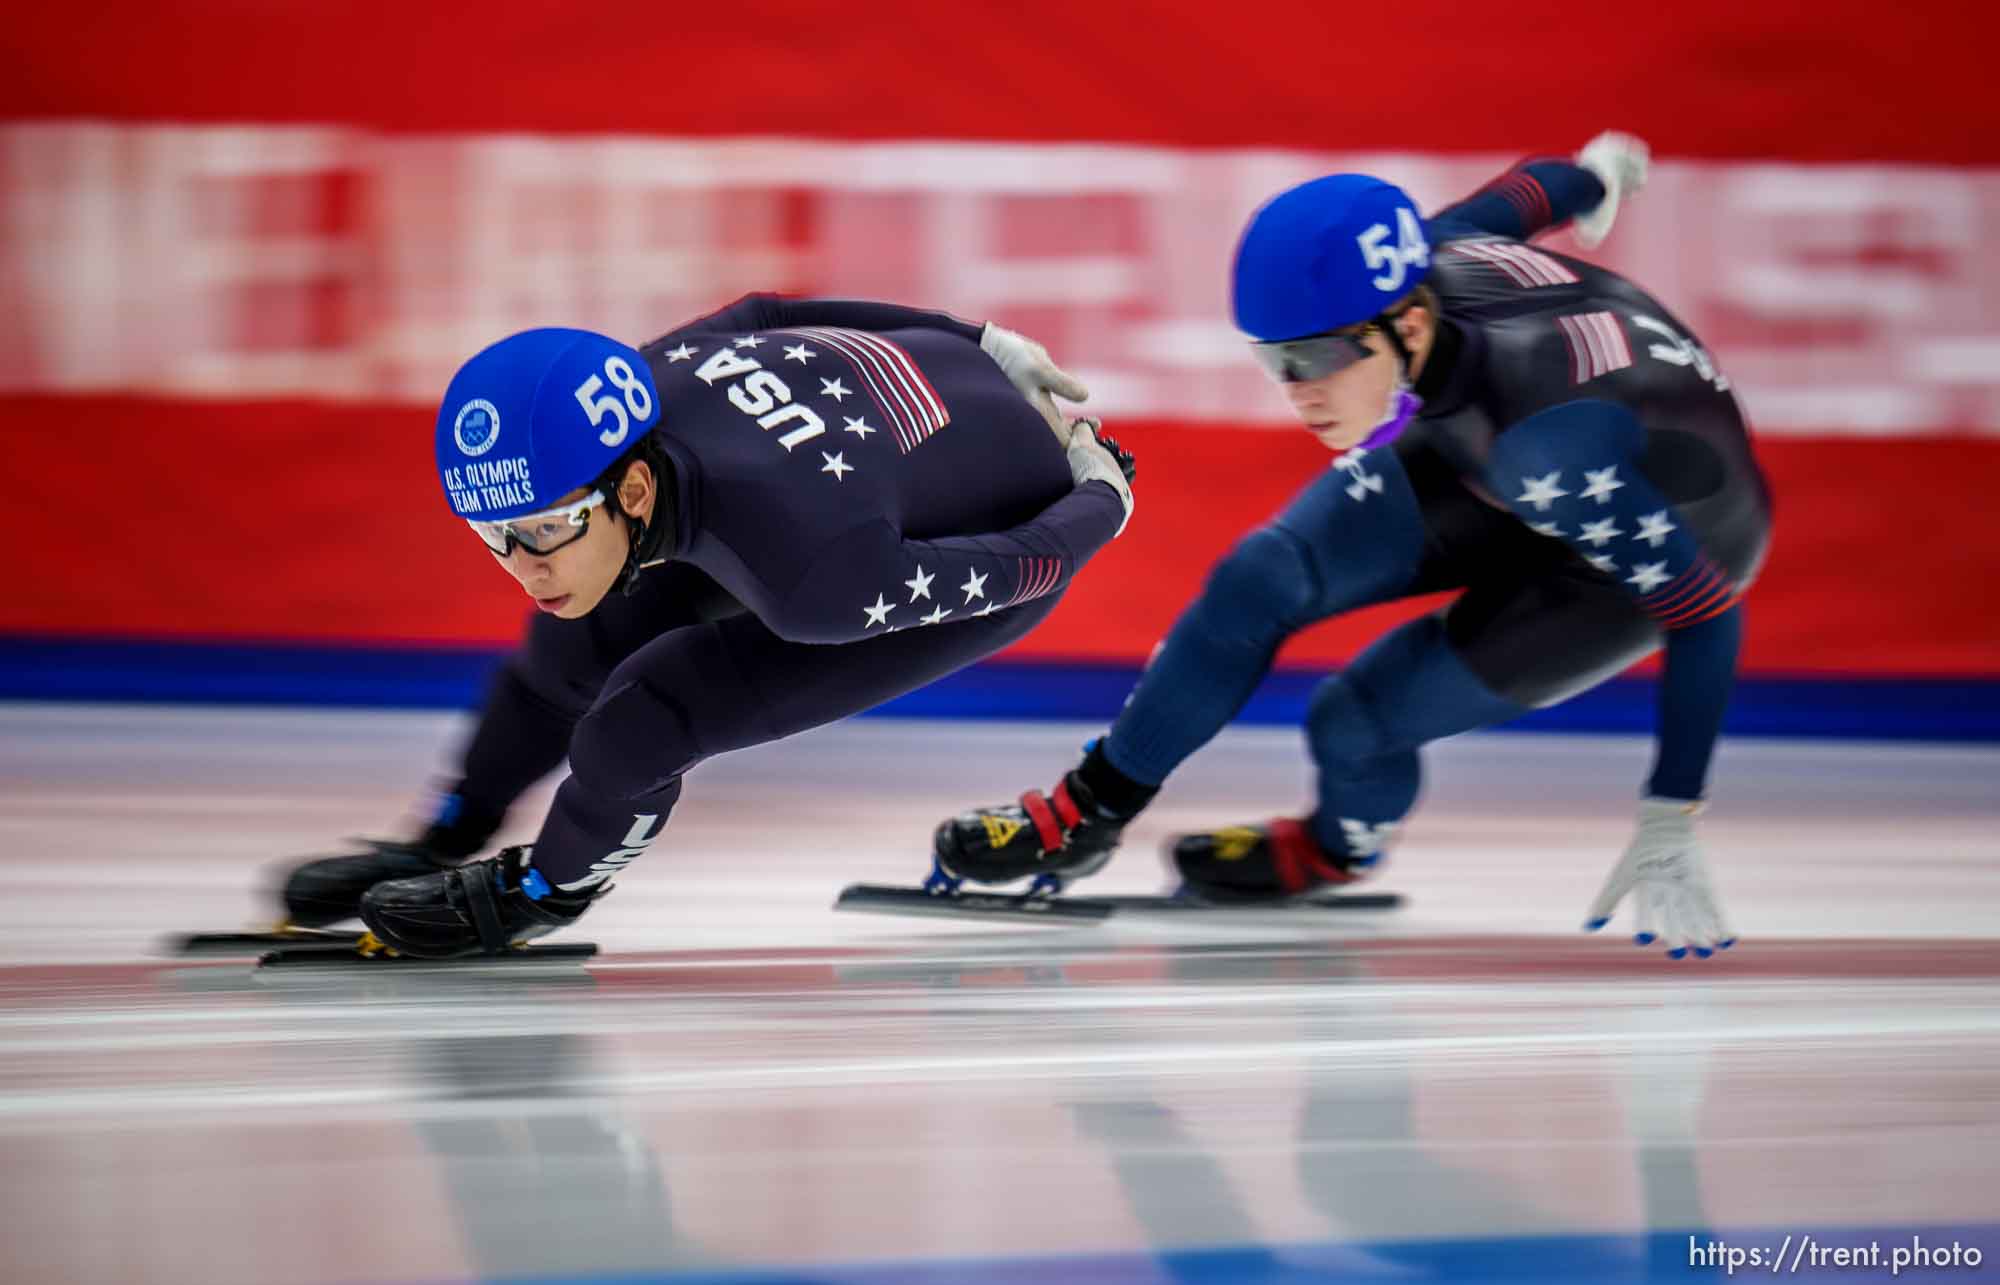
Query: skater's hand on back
(1667,872)
(1092,460)
(1030,369)
(1621,163)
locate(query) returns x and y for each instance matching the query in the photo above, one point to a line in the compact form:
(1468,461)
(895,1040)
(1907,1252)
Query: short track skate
(368,952)
(1047,900)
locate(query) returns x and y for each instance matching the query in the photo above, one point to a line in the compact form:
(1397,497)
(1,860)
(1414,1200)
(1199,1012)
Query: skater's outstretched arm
(1579,467)
(1540,195)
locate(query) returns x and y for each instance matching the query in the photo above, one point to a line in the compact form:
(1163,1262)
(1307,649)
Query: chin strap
(644,550)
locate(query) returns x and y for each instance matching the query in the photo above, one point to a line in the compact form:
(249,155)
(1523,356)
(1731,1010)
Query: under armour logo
(1364,481)
(637,840)
(1364,841)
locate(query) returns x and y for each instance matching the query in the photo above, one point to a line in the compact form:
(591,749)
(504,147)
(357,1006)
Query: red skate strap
(1066,809)
(1047,829)
(1298,860)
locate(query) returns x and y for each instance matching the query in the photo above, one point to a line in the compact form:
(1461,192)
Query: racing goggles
(539,533)
(1295,361)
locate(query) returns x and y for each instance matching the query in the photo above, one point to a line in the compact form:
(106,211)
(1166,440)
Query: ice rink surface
(747,1086)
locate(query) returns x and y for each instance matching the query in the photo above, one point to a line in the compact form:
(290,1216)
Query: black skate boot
(479,908)
(1055,838)
(326,890)
(1250,864)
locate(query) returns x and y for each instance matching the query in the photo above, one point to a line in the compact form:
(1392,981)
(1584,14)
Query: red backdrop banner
(242,247)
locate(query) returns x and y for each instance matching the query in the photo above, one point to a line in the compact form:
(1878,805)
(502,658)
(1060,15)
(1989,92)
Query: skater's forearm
(874,579)
(1694,694)
(1532,198)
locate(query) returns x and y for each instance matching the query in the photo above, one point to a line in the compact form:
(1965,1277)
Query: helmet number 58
(1393,262)
(637,399)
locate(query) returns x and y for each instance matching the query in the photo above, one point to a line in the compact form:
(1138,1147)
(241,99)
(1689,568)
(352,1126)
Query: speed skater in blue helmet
(545,449)
(1329,285)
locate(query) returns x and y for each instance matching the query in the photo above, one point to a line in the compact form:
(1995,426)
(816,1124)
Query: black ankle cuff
(1111,790)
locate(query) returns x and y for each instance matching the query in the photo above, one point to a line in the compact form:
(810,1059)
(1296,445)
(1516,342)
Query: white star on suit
(974,586)
(858,426)
(748,341)
(1648,576)
(1599,534)
(1603,562)
(1549,529)
(987,610)
(1654,528)
(879,613)
(799,352)
(921,586)
(936,615)
(835,389)
(682,353)
(836,465)
(1600,484)
(1542,491)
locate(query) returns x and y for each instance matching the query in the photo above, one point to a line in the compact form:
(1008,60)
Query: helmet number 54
(637,399)
(1393,262)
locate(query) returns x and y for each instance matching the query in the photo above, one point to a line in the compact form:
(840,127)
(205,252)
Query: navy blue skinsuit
(862,503)
(1579,468)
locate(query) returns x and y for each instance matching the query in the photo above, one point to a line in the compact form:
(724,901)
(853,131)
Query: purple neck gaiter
(1403,407)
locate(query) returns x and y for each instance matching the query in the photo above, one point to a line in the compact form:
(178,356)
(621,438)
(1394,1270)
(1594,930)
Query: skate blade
(358,955)
(888,899)
(1188,902)
(896,900)
(253,943)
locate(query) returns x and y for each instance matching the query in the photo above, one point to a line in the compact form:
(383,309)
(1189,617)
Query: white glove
(1030,369)
(1665,865)
(1089,461)
(1620,162)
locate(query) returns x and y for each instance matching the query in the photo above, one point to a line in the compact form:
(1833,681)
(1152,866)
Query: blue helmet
(1330,253)
(538,415)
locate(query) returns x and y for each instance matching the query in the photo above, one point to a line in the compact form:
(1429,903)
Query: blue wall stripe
(454,678)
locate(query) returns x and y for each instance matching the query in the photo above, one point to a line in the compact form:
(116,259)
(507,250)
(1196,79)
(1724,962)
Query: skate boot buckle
(941,882)
(1047,884)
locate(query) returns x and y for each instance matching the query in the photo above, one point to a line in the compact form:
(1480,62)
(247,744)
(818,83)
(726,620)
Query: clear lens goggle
(1295,361)
(539,533)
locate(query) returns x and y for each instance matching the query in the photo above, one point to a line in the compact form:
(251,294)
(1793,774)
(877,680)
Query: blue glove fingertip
(1644,939)
(1678,952)
(1725,945)
(1703,952)
(1595,924)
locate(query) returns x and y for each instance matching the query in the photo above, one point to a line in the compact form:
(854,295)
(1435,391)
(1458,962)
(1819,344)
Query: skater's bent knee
(1265,578)
(631,745)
